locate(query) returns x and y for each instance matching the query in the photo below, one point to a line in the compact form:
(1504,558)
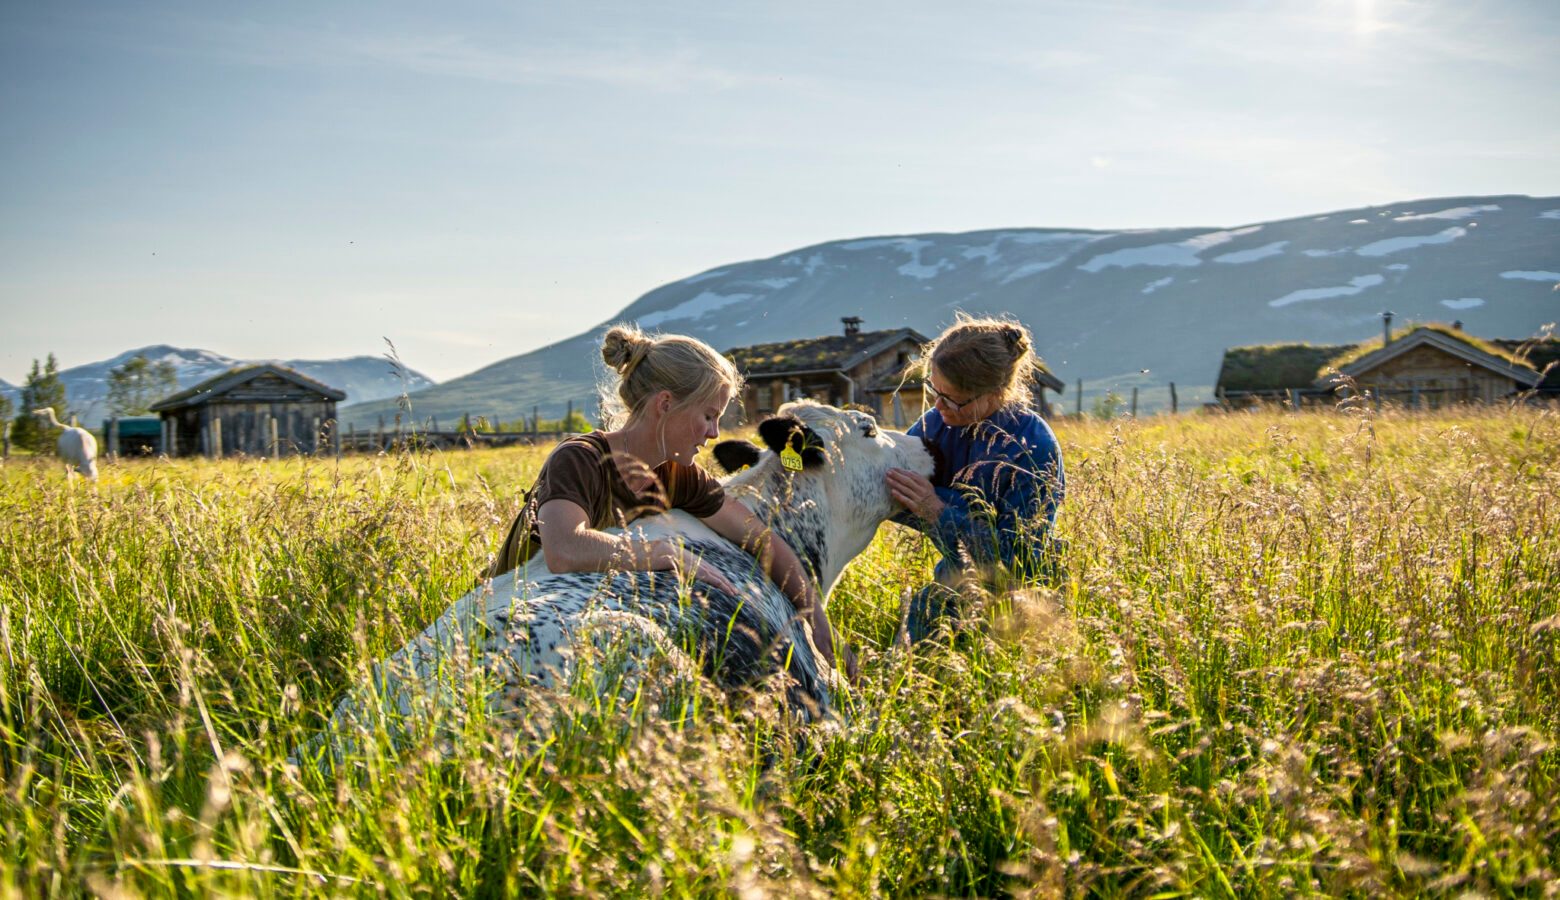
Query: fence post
(1294,399)
(1080,397)
(351,438)
(111,438)
(536,424)
(1174,406)
(1134,402)
(5,441)
(216,438)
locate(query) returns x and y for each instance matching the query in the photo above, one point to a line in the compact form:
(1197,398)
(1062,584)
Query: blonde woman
(996,503)
(663,399)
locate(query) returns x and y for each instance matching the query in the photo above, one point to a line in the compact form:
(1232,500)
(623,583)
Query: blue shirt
(1004,481)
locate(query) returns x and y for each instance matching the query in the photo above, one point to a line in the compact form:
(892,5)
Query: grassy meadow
(1292,654)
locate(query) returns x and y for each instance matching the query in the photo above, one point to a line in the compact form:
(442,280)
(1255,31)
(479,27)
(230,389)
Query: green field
(1292,654)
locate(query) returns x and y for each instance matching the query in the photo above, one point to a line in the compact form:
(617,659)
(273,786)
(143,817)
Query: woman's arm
(736,523)
(569,544)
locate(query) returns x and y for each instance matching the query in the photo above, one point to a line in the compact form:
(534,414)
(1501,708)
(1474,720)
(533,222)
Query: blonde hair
(642,365)
(984,356)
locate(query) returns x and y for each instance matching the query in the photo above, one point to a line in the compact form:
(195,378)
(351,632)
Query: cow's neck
(797,508)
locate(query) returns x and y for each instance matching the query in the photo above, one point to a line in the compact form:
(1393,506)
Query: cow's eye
(869,429)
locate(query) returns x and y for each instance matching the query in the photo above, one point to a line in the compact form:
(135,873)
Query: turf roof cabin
(867,368)
(1426,366)
(234,413)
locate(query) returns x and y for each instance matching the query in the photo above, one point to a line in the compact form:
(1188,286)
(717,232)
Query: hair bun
(623,347)
(1017,340)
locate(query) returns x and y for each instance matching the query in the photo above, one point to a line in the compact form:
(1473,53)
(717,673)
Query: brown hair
(643,365)
(985,356)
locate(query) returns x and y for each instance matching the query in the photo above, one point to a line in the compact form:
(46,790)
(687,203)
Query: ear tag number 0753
(791,459)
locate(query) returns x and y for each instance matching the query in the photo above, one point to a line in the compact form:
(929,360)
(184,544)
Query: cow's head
(829,509)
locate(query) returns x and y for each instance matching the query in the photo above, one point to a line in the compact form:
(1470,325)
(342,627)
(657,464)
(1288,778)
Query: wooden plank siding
(244,404)
(1435,378)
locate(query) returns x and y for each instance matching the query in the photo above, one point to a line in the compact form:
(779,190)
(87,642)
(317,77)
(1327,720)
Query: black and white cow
(523,627)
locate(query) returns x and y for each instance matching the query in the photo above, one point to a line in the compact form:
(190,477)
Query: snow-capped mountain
(364,378)
(1103,305)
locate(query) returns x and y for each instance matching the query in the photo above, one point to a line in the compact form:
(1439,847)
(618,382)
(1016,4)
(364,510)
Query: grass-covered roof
(1275,367)
(1279,367)
(836,351)
(1371,346)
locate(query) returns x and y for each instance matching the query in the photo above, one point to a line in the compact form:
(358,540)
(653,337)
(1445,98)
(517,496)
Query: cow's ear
(734,456)
(780,432)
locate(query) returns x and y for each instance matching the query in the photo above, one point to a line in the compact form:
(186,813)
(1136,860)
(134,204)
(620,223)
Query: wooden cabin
(258,410)
(837,369)
(1427,366)
(871,369)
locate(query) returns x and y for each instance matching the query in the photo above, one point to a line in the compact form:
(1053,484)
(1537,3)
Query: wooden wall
(1434,378)
(246,411)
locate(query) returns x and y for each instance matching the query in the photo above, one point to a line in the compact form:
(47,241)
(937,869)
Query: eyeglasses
(940,397)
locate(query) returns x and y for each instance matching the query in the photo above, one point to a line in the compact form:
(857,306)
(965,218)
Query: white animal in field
(77,446)
(523,628)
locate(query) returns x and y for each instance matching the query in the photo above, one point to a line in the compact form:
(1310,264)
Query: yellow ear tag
(791,459)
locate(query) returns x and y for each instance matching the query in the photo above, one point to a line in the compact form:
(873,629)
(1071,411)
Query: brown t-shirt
(582,470)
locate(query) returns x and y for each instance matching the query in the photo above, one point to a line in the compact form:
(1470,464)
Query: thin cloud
(626,65)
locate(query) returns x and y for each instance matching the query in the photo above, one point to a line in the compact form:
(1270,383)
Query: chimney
(1386,328)
(1457,325)
(852,325)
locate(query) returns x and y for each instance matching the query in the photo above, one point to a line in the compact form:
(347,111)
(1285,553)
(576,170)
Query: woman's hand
(664,555)
(915,493)
(712,577)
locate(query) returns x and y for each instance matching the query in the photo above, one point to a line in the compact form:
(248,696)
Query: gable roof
(837,351)
(1450,342)
(217,385)
(1274,367)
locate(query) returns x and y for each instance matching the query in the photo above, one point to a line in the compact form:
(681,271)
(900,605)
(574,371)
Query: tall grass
(1290,654)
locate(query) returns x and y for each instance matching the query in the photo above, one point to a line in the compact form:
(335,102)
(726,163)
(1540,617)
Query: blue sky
(477,180)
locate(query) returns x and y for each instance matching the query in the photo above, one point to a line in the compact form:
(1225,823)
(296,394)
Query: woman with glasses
(991,504)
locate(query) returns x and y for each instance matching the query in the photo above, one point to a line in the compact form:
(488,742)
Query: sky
(474,181)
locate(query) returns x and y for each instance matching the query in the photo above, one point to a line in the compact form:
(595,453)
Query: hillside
(1104,305)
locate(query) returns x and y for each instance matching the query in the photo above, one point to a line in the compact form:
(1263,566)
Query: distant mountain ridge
(1103,305)
(364,378)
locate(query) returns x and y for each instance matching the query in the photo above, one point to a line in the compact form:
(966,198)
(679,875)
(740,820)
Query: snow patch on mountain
(1179,253)
(706,302)
(1550,214)
(1528,275)
(705,276)
(1255,253)
(1455,213)
(1153,286)
(774,284)
(1318,254)
(1397,244)
(1355,285)
(919,270)
(1462,303)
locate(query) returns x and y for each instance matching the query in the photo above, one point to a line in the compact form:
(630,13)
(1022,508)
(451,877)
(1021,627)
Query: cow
(819,482)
